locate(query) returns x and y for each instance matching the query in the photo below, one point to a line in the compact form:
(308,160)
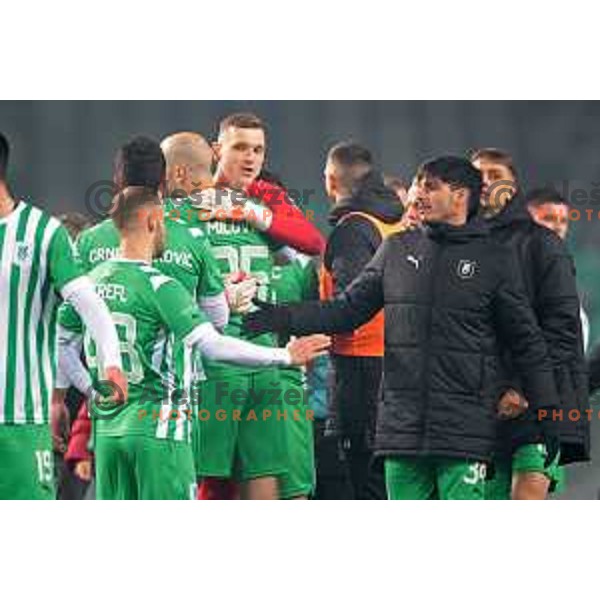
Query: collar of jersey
(137,261)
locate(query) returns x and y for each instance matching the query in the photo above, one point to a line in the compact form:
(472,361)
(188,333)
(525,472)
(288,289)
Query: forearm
(97,319)
(71,371)
(285,223)
(215,346)
(334,316)
(293,229)
(357,305)
(216,309)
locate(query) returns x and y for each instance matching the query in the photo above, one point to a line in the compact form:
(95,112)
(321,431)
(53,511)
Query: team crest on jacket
(466,268)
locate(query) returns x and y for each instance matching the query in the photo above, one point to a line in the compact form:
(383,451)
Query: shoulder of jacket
(547,241)
(351,229)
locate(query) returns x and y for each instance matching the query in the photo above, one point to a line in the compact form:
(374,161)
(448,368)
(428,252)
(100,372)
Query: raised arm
(356,305)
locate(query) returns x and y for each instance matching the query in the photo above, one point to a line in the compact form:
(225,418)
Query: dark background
(61,148)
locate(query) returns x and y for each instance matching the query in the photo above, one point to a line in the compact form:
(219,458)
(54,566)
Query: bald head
(189,160)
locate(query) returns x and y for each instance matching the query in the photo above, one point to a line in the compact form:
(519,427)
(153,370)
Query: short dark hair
(495,155)
(354,162)
(129,205)
(141,162)
(544,195)
(4,154)
(241,121)
(75,223)
(457,172)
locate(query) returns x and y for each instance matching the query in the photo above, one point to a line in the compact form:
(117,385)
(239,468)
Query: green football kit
(296,282)
(240,432)
(143,447)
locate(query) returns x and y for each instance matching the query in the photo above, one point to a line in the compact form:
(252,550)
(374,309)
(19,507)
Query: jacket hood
(372,197)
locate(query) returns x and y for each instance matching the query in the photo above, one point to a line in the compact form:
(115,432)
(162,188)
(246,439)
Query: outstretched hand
(304,349)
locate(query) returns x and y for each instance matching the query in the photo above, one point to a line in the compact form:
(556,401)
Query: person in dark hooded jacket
(364,212)
(453,297)
(548,272)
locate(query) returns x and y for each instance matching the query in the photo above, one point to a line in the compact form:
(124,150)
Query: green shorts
(300,477)
(240,427)
(26,463)
(138,467)
(408,478)
(529,458)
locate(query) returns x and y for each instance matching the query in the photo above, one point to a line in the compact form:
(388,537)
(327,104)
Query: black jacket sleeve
(356,305)
(557,302)
(351,246)
(517,326)
(594,368)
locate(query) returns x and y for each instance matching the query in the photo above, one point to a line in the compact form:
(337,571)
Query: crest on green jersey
(23,253)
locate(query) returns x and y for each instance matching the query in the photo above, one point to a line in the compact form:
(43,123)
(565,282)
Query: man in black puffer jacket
(548,273)
(452,297)
(364,213)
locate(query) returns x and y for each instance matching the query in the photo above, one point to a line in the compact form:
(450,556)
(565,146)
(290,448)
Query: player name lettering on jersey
(112,291)
(227,228)
(101,254)
(181,259)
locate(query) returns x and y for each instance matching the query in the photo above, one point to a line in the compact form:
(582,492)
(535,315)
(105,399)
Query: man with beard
(452,298)
(143,448)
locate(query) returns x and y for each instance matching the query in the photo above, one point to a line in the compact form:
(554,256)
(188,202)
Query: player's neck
(220,180)
(135,249)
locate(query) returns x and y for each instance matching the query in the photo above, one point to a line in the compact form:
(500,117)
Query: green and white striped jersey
(37,261)
(153,313)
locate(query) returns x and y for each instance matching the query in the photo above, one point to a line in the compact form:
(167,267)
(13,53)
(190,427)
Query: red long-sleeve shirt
(289,226)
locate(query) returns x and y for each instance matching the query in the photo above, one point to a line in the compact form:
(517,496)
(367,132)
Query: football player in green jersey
(143,448)
(186,258)
(37,266)
(254,452)
(295,282)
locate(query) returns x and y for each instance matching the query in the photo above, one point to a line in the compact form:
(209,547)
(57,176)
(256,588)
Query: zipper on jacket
(427,355)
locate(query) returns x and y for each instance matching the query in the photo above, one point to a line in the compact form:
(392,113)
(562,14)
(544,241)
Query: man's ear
(180,172)
(118,180)
(150,217)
